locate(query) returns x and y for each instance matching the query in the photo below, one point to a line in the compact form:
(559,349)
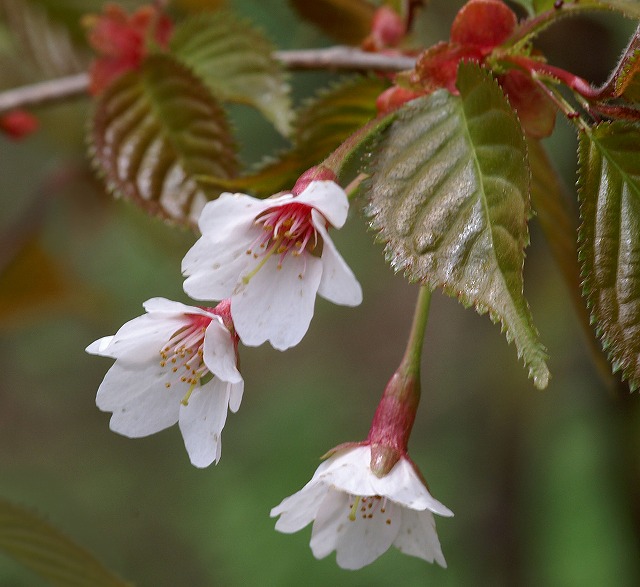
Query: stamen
(260,265)
(185,400)
(354,509)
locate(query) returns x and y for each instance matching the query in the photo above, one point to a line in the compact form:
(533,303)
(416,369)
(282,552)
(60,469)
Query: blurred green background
(545,485)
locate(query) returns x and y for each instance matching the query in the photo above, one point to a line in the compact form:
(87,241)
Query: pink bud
(18,124)
(387,27)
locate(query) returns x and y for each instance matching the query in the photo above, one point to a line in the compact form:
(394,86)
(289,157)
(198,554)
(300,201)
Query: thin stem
(340,57)
(46,92)
(413,353)
(332,58)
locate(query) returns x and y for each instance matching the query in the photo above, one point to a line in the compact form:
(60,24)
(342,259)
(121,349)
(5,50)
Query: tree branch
(47,92)
(343,58)
(333,58)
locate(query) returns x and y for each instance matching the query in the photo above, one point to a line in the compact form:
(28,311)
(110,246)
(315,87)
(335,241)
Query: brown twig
(46,92)
(343,58)
(333,58)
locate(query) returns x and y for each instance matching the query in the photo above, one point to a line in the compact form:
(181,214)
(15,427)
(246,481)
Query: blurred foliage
(545,485)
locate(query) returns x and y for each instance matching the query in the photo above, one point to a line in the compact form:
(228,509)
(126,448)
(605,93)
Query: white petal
(350,471)
(277,304)
(202,420)
(165,306)
(329,198)
(214,269)
(332,521)
(418,537)
(357,542)
(338,284)
(99,346)
(403,486)
(299,509)
(235,396)
(140,339)
(139,400)
(223,218)
(219,354)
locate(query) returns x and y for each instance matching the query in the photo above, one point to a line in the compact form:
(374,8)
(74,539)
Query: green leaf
(235,61)
(322,125)
(450,197)
(609,194)
(156,132)
(44,44)
(347,21)
(37,545)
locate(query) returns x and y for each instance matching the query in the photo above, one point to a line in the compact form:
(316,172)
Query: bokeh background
(545,485)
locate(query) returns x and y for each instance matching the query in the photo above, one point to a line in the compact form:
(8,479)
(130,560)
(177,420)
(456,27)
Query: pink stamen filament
(287,229)
(184,353)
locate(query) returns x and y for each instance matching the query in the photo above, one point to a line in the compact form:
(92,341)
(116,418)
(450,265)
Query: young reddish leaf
(483,24)
(156,134)
(235,61)
(609,193)
(121,41)
(449,196)
(347,21)
(536,112)
(40,547)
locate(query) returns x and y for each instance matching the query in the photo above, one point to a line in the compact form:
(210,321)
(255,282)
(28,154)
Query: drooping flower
(360,515)
(271,257)
(176,363)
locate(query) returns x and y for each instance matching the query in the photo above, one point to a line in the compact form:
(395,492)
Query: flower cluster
(264,260)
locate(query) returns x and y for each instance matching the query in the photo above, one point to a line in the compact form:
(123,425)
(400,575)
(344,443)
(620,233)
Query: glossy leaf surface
(450,198)
(235,62)
(156,132)
(609,192)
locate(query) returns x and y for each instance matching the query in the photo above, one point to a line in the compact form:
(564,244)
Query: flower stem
(413,353)
(396,412)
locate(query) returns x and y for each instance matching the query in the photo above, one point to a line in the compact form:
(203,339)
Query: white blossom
(271,257)
(176,363)
(360,515)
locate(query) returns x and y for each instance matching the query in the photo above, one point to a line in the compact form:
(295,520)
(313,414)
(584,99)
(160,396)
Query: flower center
(287,229)
(368,507)
(183,354)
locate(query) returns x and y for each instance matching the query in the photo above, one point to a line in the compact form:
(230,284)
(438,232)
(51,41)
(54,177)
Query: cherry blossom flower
(271,257)
(360,515)
(176,363)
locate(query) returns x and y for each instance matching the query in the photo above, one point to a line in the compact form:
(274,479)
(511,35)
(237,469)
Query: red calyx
(317,173)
